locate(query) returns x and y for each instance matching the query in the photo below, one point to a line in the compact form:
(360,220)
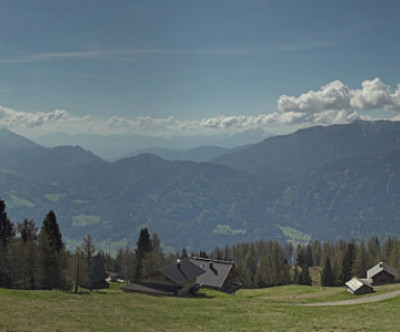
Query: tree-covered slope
(340,182)
(311,148)
(189,204)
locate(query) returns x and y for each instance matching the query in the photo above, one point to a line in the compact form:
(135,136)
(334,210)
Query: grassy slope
(274,309)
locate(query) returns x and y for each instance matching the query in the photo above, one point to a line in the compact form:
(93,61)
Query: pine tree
(360,265)
(143,247)
(52,254)
(7,233)
(52,230)
(347,262)
(327,276)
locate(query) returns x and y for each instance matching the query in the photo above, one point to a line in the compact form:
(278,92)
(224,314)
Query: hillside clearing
(273,309)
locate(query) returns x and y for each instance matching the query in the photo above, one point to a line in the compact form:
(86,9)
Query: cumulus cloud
(376,95)
(373,95)
(332,103)
(25,121)
(12,118)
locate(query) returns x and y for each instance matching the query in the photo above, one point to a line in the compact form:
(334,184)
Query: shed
(358,286)
(219,274)
(381,274)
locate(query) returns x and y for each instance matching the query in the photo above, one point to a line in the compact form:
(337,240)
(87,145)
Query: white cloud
(373,95)
(333,96)
(376,95)
(333,103)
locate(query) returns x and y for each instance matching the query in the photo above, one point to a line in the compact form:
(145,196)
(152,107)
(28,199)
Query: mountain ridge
(339,181)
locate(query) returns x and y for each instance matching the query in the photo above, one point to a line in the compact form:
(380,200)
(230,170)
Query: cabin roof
(378,268)
(182,271)
(355,284)
(216,271)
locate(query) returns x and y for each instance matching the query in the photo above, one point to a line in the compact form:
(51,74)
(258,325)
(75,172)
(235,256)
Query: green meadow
(271,309)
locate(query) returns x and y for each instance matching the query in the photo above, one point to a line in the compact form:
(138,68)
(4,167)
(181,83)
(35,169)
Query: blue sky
(184,67)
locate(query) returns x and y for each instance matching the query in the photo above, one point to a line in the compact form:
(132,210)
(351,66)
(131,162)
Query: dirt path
(368,299)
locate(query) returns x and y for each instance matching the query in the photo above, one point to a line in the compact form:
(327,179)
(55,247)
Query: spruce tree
(360,265)
(347,262)
(7,233)
(52,255)
(327,276)
(143,247)
(52,230)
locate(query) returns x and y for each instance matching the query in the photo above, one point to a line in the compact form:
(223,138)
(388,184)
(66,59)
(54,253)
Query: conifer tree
(143,247)
(327,276)
(52,254)
(7,233)
(360,265)
(347,262)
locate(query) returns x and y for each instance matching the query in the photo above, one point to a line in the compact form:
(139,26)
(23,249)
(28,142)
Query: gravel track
(375,298)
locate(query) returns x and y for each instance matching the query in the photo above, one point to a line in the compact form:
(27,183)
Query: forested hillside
(321,183)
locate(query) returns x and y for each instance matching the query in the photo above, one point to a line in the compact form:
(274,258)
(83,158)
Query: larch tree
(88,251)
(28,232)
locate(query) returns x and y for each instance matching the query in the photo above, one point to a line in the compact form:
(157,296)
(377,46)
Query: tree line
(269,263)
(37,258)
(33,258)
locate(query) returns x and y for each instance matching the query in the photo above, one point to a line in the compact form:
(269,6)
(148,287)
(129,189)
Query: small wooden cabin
(358,286)
(381,274)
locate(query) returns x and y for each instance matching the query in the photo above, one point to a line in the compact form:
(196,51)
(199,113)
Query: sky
(196,67)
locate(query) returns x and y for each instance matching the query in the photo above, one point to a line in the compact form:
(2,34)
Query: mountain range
(319,183)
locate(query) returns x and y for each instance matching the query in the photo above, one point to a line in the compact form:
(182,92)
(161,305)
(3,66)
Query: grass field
(272,309)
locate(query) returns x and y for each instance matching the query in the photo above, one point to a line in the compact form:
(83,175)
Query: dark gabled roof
(216,271)
(378,268)
(182,271)
(150,288)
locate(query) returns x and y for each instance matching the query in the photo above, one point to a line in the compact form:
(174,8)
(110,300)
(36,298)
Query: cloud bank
(333,103)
